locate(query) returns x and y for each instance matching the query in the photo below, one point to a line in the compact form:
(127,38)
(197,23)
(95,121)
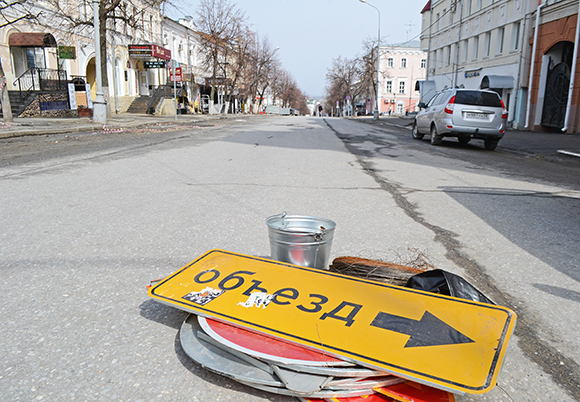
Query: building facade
(53,47)
(480,44)
(402,66)
(554,82)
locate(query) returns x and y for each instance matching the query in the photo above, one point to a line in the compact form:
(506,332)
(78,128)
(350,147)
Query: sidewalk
(559,146)
(46,126)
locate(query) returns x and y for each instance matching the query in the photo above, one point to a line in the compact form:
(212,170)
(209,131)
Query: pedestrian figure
(320,110)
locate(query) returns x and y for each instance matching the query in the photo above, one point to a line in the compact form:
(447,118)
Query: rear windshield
(477,98)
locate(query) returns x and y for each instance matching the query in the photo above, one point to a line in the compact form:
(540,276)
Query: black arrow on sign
(428,331)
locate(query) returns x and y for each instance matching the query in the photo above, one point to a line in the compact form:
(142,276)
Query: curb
(14,130)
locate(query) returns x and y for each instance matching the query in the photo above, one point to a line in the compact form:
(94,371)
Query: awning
(426,90)
(32,39)
(497,82)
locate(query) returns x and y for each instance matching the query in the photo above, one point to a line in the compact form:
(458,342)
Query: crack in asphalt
(564,371)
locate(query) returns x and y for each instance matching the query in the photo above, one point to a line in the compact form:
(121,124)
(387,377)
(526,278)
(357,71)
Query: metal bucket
(301,240)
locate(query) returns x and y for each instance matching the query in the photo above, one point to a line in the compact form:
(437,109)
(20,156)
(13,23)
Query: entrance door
(559,59)
(143,84)
(556,99)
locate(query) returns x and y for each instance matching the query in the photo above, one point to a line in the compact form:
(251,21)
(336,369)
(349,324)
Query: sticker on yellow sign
(449,343)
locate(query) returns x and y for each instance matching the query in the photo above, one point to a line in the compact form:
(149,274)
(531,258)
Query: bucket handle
(317,235)
(282,217)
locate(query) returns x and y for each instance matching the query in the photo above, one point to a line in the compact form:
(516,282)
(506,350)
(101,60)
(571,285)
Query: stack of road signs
(274,365)
(317,334)
(269,364)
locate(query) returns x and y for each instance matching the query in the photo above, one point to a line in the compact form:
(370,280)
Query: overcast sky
(311,33)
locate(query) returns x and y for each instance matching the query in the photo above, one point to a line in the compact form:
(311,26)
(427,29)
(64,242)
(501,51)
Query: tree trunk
(6,107)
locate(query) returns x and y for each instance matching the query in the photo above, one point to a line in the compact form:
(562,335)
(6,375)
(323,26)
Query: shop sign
(67,52)
(178,75)
(154,64)
(160,52)
(139,50)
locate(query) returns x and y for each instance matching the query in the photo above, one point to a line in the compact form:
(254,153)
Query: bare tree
(367,64)
(344,79)
(286,89)
(10,13)
(238,56)
(222,26)
(264,64)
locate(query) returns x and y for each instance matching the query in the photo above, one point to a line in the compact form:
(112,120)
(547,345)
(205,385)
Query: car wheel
(435,138)
(490,144)
(415,132)
(463,140)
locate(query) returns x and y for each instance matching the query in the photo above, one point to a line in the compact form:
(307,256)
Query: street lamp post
(376,111)
(99,105)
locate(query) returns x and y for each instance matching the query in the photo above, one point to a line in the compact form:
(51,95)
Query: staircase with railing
(160,93)
(33,82)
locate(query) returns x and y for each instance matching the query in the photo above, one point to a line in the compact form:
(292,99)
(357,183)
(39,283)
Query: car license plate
(471,115)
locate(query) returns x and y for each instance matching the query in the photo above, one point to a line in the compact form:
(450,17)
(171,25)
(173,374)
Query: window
(500,37)
(451,12)
(402,87)
(423,63)
(440,57)
(468,7)
(443,18)
(400,108)
(193,55)
(389,86)
(478,5)
(135,13)
(84,10)
(35,57)
(486,44)
(516,35)
(434,99)
(403,63)
(465,50)
(390,62)
(475,47)
(477,98)
(448,55)
(436,22)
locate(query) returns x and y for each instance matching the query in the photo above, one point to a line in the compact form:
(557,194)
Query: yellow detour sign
(446,342)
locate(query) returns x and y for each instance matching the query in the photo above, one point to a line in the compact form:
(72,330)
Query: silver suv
(462,113)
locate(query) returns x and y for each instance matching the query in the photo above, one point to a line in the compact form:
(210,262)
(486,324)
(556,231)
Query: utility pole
(376,111)
(99,105)
(458,39)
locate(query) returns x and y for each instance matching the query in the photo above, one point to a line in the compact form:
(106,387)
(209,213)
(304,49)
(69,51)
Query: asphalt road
(89,219)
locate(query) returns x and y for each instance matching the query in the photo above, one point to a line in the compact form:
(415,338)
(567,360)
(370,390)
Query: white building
(30,48)
(479,44)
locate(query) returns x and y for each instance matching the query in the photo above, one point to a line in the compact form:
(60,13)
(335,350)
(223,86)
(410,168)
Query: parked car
(462,113)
